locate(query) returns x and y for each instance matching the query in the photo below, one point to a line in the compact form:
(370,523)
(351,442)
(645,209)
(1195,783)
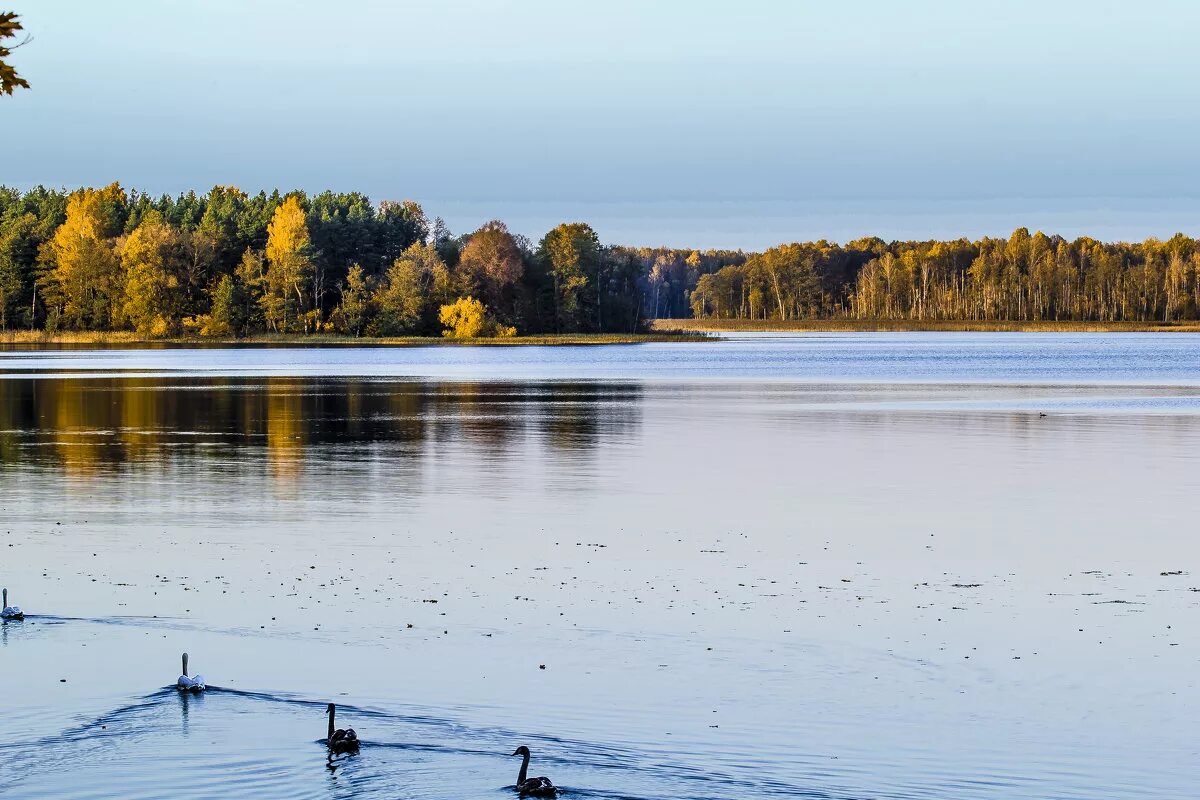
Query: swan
(189,684)
(340,741)
(532,787)
(10,612)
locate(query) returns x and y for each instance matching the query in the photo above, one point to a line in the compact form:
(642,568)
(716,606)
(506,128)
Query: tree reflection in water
(292,428)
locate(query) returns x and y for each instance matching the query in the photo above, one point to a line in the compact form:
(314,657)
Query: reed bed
(132,339)
(844,325)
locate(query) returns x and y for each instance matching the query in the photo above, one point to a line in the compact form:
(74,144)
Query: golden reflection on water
(78,444)
(138,432)
(89,426)
(285,432)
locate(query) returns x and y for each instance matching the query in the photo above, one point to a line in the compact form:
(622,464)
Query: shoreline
(89,339)
(661,330)
(710,326)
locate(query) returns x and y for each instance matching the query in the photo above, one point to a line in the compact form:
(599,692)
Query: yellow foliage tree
(464,318)
(151,256)
(415,284)
(467,318)
(289,269)
(84,280)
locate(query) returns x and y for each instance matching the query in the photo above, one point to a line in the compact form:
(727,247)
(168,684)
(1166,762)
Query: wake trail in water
(389,739)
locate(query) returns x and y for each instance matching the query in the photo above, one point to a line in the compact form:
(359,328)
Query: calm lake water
(827,566)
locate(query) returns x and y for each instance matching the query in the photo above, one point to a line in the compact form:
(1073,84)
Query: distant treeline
(227,263)
(1022,278)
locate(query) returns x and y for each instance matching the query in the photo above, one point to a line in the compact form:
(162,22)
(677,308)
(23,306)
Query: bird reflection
(186,699)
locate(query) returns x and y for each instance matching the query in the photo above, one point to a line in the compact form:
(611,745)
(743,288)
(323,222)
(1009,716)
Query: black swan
(341,741)
(532,787)
(10,612)
(189,684)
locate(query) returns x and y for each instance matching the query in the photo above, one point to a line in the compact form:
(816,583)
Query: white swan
(10,612)
(185,683)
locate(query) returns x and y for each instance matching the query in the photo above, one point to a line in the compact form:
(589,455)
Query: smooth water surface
(1070,359)
(863,566)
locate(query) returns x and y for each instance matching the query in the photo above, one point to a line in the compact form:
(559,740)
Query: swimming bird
(189,684)
(10,612)
(532,787)
(340,741)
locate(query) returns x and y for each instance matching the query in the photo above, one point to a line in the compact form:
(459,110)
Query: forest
(231,264)
(1026,277)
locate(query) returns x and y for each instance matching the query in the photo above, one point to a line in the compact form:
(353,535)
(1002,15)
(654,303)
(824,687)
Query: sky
(682,122)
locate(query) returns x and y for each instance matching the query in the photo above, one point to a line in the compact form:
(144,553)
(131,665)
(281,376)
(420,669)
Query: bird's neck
(331,723)
(524,769)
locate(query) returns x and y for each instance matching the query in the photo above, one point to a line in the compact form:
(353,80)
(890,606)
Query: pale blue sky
(735,124)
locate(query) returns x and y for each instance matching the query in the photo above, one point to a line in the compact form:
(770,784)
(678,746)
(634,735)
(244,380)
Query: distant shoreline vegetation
(715,326)
(110,339)
(227,265)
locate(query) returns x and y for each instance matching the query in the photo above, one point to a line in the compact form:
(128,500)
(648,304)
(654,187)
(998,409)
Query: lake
(838,566)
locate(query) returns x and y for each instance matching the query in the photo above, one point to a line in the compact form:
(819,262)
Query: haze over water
(830,566)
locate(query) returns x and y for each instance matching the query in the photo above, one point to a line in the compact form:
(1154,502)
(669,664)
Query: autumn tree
(152,258)
(10,26)
(416,284)
(790,274)
(490,265)
(571,253)
(289,270)
(84,276)
(468,318)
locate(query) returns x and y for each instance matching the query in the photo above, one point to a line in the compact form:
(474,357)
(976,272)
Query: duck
(185,683)
(10,612)
(532,787)
(340,741)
